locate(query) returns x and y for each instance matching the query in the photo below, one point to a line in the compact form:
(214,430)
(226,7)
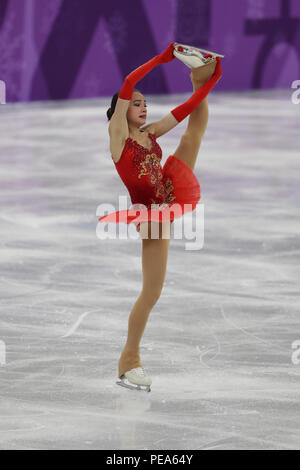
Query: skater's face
(137,110)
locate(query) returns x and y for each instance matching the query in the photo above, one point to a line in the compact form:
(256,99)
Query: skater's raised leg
(191,140)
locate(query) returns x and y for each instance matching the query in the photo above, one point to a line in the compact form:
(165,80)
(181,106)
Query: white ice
(219,342)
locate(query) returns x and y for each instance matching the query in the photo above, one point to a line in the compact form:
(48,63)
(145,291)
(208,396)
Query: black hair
(113,103)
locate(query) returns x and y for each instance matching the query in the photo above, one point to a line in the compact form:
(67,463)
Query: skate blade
(188,52)
(134,387)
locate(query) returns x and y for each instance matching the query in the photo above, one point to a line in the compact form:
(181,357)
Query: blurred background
(63,49)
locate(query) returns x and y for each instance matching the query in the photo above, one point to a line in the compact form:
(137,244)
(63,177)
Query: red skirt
(186,189)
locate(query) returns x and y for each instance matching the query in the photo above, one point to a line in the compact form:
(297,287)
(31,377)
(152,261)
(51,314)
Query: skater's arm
(168,122)
(183,110)
(161,127)
(197,100)
(119,126)
(139,73)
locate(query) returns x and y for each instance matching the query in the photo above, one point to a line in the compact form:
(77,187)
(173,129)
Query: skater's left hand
(167,55)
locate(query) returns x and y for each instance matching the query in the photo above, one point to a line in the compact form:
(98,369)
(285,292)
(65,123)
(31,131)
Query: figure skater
(137,156)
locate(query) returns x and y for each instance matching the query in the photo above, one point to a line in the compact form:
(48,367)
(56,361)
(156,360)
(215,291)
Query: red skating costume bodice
(141,172)
(149,183)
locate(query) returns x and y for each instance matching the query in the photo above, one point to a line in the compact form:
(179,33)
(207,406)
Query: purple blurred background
(63,49)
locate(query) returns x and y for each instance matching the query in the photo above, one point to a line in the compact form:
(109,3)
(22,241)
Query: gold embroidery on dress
(168,185)
(153,162)
(150,161)
(168,188)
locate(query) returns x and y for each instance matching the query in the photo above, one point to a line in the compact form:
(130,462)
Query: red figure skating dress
(174,185)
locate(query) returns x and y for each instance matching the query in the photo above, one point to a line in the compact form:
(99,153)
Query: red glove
(183,110)
(168,55)
(137,74)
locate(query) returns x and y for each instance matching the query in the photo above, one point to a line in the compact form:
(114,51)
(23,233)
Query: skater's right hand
(218,70)
(167,55)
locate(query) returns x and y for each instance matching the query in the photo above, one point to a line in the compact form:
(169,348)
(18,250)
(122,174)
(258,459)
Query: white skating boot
(138,377)
(192,57)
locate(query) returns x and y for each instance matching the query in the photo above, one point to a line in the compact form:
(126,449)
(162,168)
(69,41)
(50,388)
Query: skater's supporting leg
(154,263)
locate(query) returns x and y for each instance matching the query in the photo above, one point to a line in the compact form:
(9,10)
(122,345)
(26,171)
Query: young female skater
(137,155)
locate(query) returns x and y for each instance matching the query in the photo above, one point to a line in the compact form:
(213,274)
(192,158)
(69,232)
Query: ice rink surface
(220,344)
